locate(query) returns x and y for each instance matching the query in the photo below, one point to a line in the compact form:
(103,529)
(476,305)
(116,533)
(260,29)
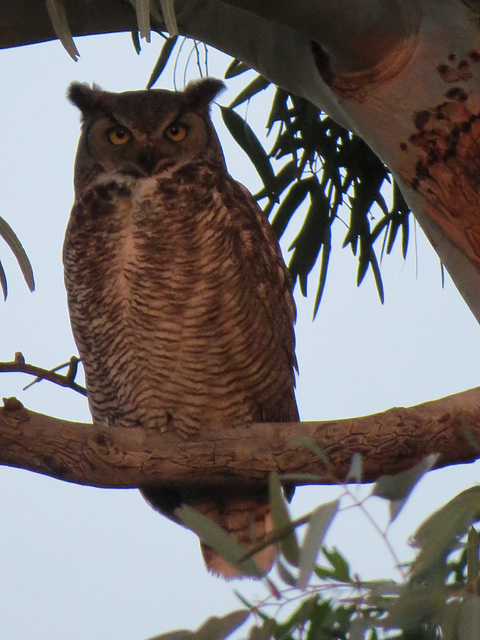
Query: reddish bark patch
(447,173)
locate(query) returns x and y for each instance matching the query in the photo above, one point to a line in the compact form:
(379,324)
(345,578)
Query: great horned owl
(179,299)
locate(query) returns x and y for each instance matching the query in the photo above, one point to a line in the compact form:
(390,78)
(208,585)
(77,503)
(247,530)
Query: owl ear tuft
(201,93)
(86,98)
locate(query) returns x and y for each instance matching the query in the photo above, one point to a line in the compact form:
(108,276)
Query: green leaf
(235,68)
(356,466)
(322,278)
(213,535)
(136,41)
(3,281)
(18,251)
(255,86)
(265,632)
(281,519)
(321,622)
(162,61)
(414,607)
(305,443)
(168,12)
(289,204)
(341,570)
(142,8)
(285,574)
(58,18)
(473,566)
(439,534)
(468,435)
(248,141)
(377,275)
(397,488)
(283,178)
(220,628)
(469,618)
(180,634)
(213,629)
(318,525)
(309,240)
(279,110)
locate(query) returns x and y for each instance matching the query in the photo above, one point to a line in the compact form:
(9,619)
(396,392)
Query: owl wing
(268,278)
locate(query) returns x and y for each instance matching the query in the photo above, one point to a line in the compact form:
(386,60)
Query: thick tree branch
(389,442)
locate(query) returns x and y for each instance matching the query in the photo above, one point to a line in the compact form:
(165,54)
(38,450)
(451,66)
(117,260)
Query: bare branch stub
(100,456)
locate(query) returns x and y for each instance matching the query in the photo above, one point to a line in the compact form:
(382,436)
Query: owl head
(142,133)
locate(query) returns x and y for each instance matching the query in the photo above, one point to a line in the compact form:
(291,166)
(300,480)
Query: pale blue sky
(83,563)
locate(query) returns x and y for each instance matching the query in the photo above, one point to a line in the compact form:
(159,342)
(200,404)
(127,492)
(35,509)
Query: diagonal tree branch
(94,455)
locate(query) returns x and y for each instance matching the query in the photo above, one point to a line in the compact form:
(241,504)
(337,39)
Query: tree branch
(18,365)
(99,456)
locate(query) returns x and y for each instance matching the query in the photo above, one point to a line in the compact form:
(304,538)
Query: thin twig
(20,366)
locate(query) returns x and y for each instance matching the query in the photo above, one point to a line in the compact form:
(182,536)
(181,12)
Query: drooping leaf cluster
(315,174)
(317,595)
(316,165)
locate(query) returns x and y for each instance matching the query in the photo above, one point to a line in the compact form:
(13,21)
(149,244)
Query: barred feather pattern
(182,312)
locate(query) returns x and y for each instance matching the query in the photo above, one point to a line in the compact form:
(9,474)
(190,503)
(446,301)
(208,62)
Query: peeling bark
(93,455)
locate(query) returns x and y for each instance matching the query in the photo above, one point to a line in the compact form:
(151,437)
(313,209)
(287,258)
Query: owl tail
(248,521)
(245,517)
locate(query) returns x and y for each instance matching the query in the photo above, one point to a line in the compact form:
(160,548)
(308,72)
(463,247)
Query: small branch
(389,442)
(20,366)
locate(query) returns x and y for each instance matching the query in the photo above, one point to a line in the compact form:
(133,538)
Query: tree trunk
(403,74)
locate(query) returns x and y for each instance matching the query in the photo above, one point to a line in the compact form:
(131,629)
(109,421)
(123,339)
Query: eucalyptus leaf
(142,8)
(397,488)
(468,435)
(168,12)
(243,134)
(136,41)
(356,467)
(265,632)
(325,261)
(213,535)
(308,241)
(258,84)
(220,628)
(414,607)
(3,282)
(58,18)
(305,443)
(213,629)
(439,534)
(235,68)
(162,61)
(281,519)
(285,574)
(341,570)
(10,237)
(289,204)
(180,634)
(473,567)
(469,617)
(318,525)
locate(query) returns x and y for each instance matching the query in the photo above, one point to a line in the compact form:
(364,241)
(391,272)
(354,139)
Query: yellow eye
(119,135)
(176,132)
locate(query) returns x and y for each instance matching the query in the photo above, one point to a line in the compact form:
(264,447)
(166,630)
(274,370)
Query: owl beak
(147,160)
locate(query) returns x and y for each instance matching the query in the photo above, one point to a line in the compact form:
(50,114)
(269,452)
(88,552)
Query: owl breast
(167,279)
